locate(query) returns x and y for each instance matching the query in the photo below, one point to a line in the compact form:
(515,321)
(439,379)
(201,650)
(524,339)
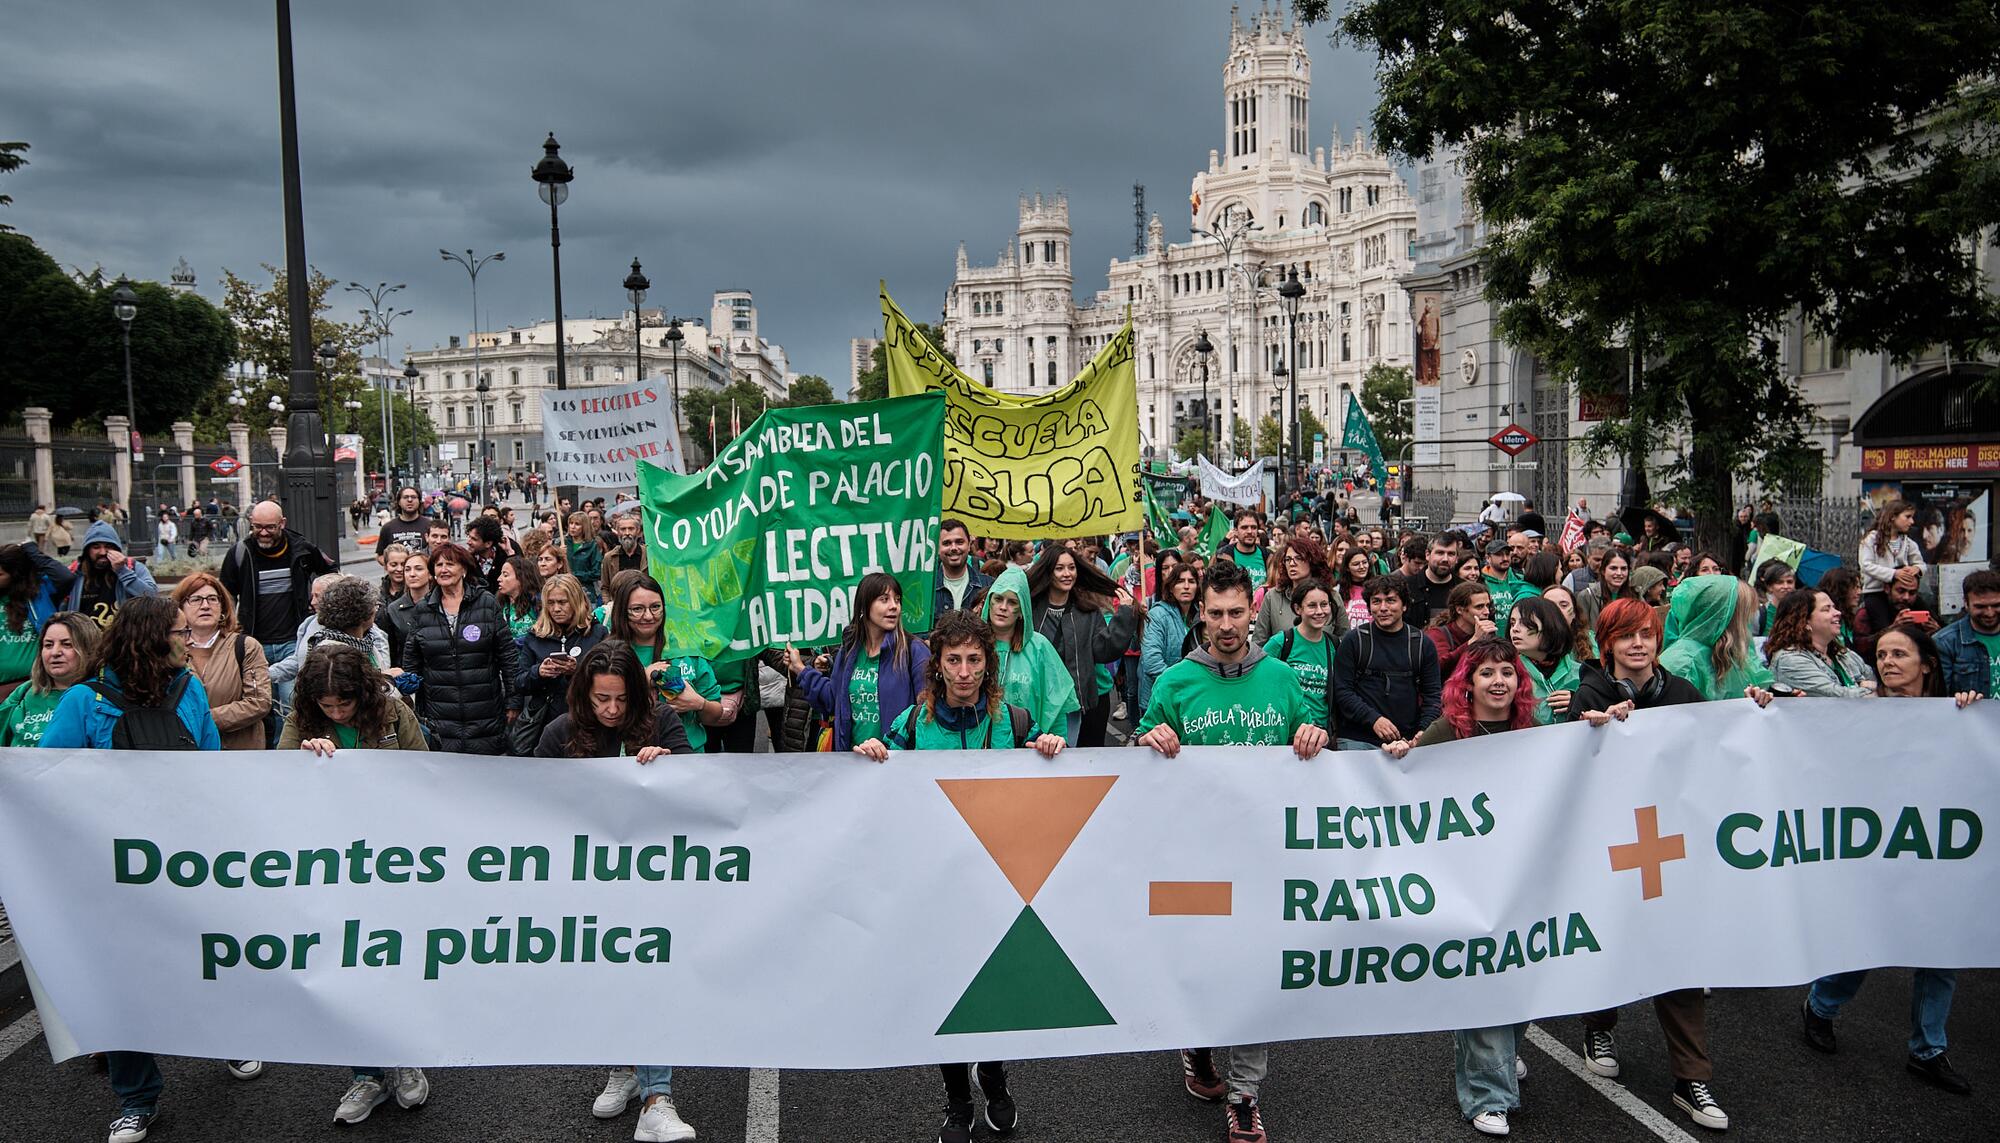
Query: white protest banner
(1216,484)
(824,912)
(595,437)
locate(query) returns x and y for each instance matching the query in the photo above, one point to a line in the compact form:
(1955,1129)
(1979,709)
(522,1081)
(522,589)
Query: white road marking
(760,1120)
(1630,1104)
(10,954)
(23,1032)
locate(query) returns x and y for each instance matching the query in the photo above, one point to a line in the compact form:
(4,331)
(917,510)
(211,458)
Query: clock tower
(1266,92)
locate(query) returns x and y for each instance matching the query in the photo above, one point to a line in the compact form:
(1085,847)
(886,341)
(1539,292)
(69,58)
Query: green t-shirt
(1504,593)
(518,622)
(346,737)
(1312,663)
(1992,645)
(17,649)
(26,714)
(699,674)
(1252,562)
(995,732)
(1265,706)
(863,699)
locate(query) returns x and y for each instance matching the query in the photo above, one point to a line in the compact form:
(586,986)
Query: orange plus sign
(1650,852)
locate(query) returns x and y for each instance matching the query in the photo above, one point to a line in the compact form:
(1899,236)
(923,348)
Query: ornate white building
(1268,205)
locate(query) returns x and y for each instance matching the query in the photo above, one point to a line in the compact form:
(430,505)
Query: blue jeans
(655,1079)
(1930,1004)
(167,549)
(1486,1068)
(136,1079)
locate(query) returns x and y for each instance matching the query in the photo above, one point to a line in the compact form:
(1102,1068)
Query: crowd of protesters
(549,639)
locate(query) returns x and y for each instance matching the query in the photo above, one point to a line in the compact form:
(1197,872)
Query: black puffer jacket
(468,672)
(396,618)
(1084,639)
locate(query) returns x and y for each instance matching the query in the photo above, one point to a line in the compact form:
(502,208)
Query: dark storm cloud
(799,150)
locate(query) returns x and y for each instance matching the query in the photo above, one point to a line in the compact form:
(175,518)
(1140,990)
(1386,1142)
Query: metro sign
(1513,440)
(225,465)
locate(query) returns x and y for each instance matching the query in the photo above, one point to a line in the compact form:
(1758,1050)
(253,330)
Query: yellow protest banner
(1030,466)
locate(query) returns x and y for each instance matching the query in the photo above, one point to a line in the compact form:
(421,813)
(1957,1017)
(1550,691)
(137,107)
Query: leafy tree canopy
(1381,388)
(811,389)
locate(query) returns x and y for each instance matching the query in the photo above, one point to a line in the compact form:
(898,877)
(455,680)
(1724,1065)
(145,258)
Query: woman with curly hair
(1806,654)
(962,706)
(1489,692)
(1304,558)
(341,701)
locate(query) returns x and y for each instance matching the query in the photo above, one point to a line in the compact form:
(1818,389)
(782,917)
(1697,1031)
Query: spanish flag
(1194,203)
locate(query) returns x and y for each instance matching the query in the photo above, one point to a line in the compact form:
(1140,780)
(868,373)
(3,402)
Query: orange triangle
(1027,824)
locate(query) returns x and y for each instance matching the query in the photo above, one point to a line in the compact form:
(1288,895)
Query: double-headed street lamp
(379,317)
(636,286)
(472,266)
(1204,347)
(1290,294)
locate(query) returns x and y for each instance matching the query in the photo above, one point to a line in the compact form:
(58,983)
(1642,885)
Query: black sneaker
(1198,1074)
(1818,1030)
(957,1124)
(1693,1097)
(1938,1072)
(1600,1054)
(1001,1114)
(132,1126)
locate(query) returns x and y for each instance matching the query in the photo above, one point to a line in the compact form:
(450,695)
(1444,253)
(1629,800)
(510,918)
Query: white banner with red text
(800,910)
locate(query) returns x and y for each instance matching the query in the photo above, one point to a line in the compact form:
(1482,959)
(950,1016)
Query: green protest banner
(1160,518)
(764,547)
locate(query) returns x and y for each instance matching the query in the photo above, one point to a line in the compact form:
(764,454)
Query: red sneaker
(1198,1073)
(1246,1125)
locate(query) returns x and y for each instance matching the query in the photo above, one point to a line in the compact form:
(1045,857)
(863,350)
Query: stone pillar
(43,482)
(239,447)
(280,436)
(184,442)
(119,429)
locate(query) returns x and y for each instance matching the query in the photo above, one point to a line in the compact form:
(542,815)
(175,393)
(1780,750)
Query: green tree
(1684,177)
(1240,433)
(810,389)
(875,382)
(699,405)
(1310,426)
(262,317)
(10,161)
(64,349)
(1270,436)
(1383,389)
(367,420)
(1191,443)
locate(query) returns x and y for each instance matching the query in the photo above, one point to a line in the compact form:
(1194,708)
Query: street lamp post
(309,494)
(379,317)
(125,306)
(636,286)
(1234,228)
(674,339)
(553,178)
(472,267)
(1204,347)
(1291,294)
(410,376)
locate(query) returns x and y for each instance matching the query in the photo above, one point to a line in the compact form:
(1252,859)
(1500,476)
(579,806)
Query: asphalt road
(1380,1088)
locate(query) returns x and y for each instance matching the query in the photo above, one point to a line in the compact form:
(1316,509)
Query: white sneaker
(1118,712)
(660,1123)
(618,1091)
(1490,1123)
(1520,1069)
(413,1089)
(363,1096)
(245,1069)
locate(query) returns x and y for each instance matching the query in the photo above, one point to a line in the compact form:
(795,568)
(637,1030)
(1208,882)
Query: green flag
(1160,518)
(765,546)
(1213,532)
(1357,434)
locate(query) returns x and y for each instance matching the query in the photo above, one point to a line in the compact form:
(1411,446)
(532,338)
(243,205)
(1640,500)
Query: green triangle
(1028,982)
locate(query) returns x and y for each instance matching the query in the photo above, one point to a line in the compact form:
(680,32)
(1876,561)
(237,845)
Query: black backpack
(148,727)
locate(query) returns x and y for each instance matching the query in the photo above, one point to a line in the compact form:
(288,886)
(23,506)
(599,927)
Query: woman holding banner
(562,634)
(67,656)
(1074,610)
(1488,693)
(467,661)
(963,706)
(877,672)
(1541,633)
(1030,669)
(685,683)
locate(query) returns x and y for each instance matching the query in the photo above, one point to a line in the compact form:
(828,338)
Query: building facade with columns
(519,362)
(1269,204)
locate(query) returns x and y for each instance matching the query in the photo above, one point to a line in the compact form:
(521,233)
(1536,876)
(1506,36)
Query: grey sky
(798,150)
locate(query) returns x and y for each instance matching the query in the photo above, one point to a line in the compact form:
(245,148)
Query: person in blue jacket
(106,577)
(877,672)
(144,663)
(30,582)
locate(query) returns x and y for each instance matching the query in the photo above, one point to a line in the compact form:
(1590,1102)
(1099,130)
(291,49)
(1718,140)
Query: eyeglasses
(645,609)
(278,527)
(183,632)
(209,600)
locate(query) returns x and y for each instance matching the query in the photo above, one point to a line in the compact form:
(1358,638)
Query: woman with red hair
(1631,678)
(1489,692)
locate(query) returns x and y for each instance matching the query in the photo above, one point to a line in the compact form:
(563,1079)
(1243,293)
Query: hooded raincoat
(1697,618)
(1035,677)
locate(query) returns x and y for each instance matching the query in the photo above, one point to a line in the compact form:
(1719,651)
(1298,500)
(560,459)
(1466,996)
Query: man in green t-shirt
(1248,550)
(1229,693)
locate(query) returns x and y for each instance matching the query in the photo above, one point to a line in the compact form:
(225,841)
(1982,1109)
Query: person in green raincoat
(1710,619)
(1541,633)
(1031,669)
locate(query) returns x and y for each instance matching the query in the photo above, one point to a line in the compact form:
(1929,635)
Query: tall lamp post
(1204,347)
(125,307)
(1231,229)
(309,494)
(1290,294)
(472,267)
(410,376)
(636,286)
(553,178)
(673,339)
(378,317)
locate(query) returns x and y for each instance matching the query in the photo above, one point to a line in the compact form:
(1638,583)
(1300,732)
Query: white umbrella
(1507,498)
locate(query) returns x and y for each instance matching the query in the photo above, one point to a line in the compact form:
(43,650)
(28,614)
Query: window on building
(486,410)
(1822,355)
(989,372)
(514,408)
(590,373)
(514,375)
(1048,251)
(1031,372)
(520,452)
(447,380)
(1028,252)
(548,376)
(451,416)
